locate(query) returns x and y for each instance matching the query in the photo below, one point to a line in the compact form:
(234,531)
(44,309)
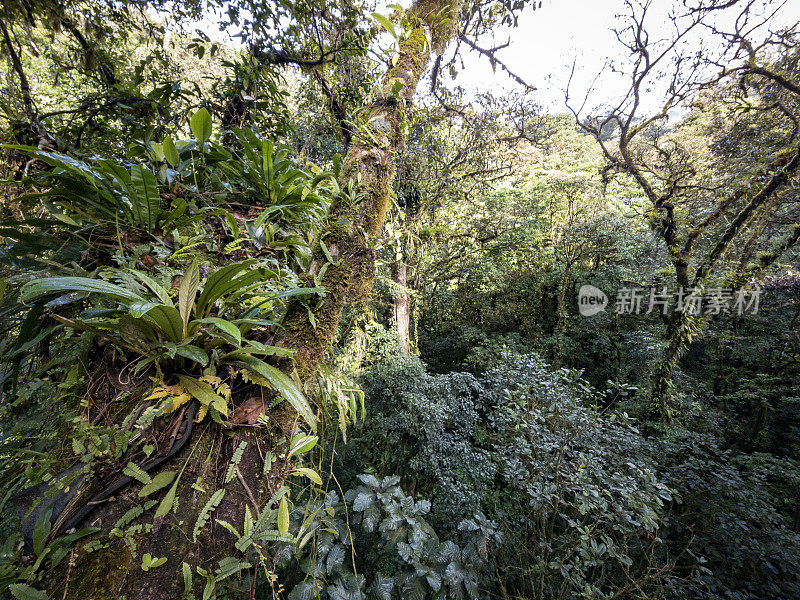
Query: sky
(550,40)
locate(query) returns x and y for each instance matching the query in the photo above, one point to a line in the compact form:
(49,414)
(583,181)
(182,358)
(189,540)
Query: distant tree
(706,202)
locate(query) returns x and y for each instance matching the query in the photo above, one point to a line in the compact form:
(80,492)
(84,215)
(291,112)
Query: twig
(247,489)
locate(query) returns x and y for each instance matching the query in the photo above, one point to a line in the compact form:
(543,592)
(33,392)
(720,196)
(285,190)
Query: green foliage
(739,545)
(205,512)
(383,535)
(103,192)
(573,492)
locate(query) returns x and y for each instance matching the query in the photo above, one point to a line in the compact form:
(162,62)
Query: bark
(561,314)
(357,218)
(402,317)
(355,221)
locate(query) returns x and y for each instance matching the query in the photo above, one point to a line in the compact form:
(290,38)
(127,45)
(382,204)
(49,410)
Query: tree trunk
(561,310)
(114,570)
(681,327)
(402,317)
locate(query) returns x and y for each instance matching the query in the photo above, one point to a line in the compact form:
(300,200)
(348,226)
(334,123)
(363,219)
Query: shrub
(577,497)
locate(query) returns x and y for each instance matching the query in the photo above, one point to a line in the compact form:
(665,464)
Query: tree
(698,209)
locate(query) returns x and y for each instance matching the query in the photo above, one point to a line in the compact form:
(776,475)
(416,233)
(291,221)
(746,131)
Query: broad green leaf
(293,292)
(201,125)
(204,393)
(153,285)
(284,385)
(161,480)
(194,353)
(170,152)
(310,473)
(223,325)
(266,147)
(158,150)
(283,516)
(221,281)
(301,443)
(166,504)
(386,23)
(253,347)
(168,319)
(144,198)
(46,285)
(140,309)
(40,531)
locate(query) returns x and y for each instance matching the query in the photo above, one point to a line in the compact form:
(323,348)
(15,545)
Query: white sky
(548,40)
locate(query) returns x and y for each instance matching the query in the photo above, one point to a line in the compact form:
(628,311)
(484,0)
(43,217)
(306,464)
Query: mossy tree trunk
(115,570)
(357,221)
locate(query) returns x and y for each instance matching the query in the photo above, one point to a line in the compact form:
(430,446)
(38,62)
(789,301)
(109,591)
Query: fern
(22,591)
(188,583)
(269,457)
(135,471)
(235,460)
(133,514)
(205,514)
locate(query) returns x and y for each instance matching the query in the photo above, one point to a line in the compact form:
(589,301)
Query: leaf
(266,148)
(370,480)
(166,504)
(158,150)
(301,443)
(310,473)
(22,591)
(223,325)
(382,587)
(247,528)
(194,353)
(154,286)
(235,460)
(223,281)
(140,309)
(144,197)
(170,152)
(135,472)
(335,558)
(285,386)
(208,591)
(47,285)
(254,347)
(168,320)
(40,531)
(283,516)
(176,393)
(362,501)
(306,590)
(161,480)
(204,393)
(229,566)
(200,124)
(205,514)
(187,294)
(386,23)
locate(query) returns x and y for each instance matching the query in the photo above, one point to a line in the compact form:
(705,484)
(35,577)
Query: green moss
(98,575)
